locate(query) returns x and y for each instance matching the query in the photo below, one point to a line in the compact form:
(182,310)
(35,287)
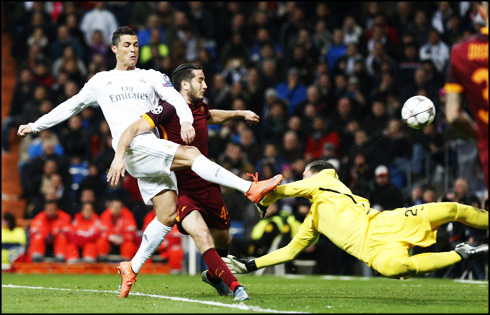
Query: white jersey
(123,97)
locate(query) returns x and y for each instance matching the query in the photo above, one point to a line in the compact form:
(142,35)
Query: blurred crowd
(327,82)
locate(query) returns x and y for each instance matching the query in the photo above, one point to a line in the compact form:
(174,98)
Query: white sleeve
(167,92)
(65,110)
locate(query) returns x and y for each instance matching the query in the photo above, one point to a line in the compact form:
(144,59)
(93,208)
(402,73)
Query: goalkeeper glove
(261,209)
(238,266)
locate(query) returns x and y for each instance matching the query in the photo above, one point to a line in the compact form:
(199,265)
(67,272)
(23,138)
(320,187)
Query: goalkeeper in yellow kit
(379,239)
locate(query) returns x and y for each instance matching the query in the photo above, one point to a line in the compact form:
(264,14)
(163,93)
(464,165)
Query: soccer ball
(418,112)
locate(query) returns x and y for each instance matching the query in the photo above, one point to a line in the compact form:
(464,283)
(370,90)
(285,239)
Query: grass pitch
(268,294)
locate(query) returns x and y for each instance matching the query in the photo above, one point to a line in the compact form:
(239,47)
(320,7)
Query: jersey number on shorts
(224,213)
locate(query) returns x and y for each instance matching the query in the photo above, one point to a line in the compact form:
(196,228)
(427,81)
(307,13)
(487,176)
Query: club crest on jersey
(166,81)
(202,108)
(157,110)
(143,80)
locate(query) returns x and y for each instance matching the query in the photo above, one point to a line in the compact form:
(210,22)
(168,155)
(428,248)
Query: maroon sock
(218,269)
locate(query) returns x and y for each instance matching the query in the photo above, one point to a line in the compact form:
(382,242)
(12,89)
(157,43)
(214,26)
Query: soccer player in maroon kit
(468,75)
(202,212)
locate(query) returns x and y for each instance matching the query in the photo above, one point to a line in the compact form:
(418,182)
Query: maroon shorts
(209,202)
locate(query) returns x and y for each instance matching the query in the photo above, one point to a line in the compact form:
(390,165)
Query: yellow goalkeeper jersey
(335,212)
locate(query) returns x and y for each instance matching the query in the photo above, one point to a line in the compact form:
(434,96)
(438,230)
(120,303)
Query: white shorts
(149,160)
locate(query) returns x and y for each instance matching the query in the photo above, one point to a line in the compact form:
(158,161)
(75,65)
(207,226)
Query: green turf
(311,294)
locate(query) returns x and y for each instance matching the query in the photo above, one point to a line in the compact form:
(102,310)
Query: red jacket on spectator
(50,227)
(118,231)
(124,225)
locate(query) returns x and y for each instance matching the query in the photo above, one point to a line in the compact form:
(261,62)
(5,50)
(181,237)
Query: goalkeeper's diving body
(379,239)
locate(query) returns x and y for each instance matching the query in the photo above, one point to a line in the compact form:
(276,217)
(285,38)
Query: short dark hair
(121,30)
(320,165)
(183,72)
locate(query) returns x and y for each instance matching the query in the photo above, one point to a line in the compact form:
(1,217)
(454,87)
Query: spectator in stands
(416,196)
(270,73)
(250,145)
(352,31)
(400,20)
(118,232)
(64,39)
(377,120)
(89,195)
(68,53)
(337,50)
(384,194)
(321,134)
(50,228)
(429,194)
(236,47)
(153,53)
(233,159)
(274,125)
(292,90)
(270,156)
(41,73)
(303,59)
(321,37)
(291,148)
(23,92)
(420,27)
(38,37)
(13,239)
(145,34)
(85,232)
(436,50)
(99,18)
(313,97)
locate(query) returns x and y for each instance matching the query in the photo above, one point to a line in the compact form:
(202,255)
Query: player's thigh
(152,186)
(151,157)
(392,260)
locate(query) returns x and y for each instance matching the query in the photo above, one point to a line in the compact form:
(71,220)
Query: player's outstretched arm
(220,116)
(118,168)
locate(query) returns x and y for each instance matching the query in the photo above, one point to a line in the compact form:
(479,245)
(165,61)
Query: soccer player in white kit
(124,94)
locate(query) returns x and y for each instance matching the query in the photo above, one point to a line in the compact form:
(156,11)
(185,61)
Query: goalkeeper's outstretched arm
(299,243)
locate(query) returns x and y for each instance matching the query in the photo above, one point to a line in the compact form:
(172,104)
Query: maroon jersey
(168,125)
(468,74)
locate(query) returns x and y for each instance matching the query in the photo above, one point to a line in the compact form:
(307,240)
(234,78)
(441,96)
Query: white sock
(217,174)
(153,236)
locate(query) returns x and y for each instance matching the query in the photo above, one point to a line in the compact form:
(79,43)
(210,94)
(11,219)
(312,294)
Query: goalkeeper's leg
(444,212)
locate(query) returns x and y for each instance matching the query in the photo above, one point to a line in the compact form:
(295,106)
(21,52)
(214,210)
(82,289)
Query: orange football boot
(128,278)
(259,189)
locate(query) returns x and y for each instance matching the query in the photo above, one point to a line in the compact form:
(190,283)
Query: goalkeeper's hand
(237,266)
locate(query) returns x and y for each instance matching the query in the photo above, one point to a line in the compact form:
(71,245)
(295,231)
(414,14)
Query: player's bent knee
(396,267)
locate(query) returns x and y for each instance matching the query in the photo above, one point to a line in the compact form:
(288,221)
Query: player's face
(198,87)
(127,52)
(308,173)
